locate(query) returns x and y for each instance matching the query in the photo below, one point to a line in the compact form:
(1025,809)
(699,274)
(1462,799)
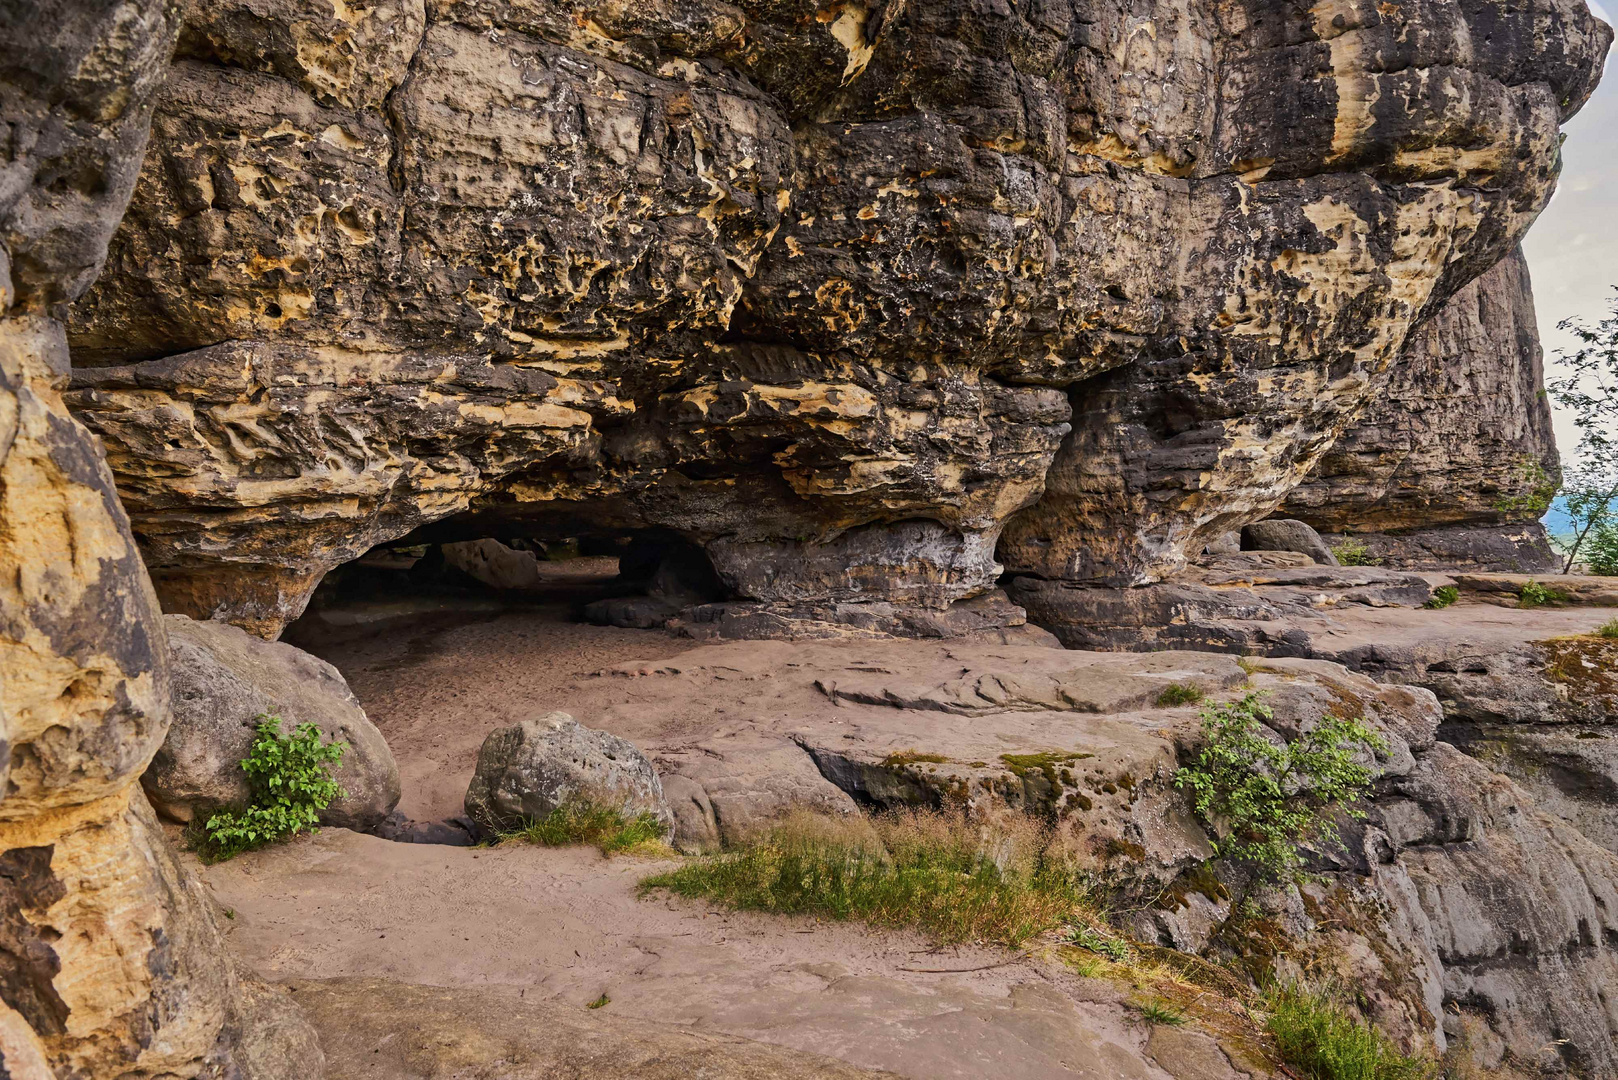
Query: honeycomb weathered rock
(792,282)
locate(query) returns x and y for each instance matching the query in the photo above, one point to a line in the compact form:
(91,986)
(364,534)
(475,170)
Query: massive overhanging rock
(110,961)
(798,285)
(1453,462)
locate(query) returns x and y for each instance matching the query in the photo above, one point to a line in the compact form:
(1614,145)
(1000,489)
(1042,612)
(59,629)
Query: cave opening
(457,571)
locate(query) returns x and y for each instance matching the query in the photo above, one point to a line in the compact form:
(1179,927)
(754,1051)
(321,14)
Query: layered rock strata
(817,292)
(1454,461)
(110,960)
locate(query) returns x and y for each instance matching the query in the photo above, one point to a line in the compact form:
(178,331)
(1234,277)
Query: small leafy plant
(1102,944)
(1269,798)
(290,777)
(1533,594)
(1608,629)
(1443,597)
(1351,552)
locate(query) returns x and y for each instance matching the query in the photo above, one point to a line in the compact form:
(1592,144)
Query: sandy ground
(567,923)
(437,687)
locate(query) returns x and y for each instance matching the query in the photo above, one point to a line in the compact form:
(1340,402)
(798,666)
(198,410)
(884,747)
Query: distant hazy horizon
(1573,248)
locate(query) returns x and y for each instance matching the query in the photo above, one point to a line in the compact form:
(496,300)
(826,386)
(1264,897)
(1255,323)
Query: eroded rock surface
(113,964)
(1452,462)
(391,1028)
(530,769)
(1272,603)
(822,295)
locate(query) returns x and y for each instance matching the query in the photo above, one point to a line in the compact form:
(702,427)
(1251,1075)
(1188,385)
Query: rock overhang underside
(875,304)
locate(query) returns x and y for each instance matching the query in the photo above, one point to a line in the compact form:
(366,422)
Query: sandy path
(567,923)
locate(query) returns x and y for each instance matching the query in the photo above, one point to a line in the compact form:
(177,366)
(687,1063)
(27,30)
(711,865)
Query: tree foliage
(1589,391)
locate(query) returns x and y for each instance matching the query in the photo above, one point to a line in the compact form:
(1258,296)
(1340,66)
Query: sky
(1573,248)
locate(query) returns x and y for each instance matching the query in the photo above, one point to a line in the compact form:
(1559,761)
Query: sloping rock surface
(824,295)
(386,1030)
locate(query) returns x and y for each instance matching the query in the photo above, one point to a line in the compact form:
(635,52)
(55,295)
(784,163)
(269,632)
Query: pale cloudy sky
(1573,247)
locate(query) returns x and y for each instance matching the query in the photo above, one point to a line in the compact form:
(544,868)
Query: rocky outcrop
(1452,463)
(526,771)
(224,680)
(1543,712)
(818,294)
(1458,903)
(110,960)
(1270,603)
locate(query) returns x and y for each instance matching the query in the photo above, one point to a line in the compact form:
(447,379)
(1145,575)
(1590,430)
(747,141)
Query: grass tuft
(1179,694)
(600,1002)
(954,879)
(587,823)
(1322,1042)
(1156,1011)
(1608,629)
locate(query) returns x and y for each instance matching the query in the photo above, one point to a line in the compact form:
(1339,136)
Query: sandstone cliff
(821,289)
(1453,462)
(110,961)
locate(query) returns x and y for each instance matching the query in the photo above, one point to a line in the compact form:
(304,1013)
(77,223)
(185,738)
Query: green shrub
(956,880)
(1351,552)
(1323,1042)
(1179,694)
(1272,799)
(290,777)
(1443,597)
(1533,594)
(587,823)
(1608,629)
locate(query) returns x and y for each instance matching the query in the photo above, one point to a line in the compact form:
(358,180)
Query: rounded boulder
(529,769)
(223,680)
